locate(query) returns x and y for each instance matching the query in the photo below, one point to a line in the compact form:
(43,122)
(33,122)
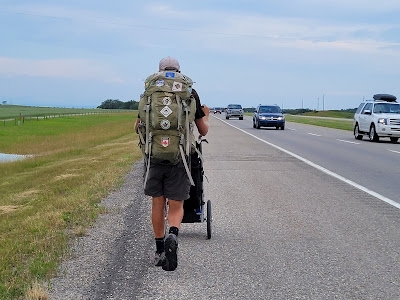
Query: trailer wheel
(209,219)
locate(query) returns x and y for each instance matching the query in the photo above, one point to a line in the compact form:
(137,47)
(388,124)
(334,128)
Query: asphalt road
(375,166)
(282,229)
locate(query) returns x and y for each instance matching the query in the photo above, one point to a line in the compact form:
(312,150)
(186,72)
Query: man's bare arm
(202,124)
(137,124)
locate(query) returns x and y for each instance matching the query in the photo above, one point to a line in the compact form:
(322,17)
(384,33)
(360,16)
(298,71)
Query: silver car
(234,110)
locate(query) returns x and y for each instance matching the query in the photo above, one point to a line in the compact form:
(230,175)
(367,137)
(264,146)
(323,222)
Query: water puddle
(12,157)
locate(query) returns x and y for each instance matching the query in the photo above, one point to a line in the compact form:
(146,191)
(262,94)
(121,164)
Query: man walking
(170,181)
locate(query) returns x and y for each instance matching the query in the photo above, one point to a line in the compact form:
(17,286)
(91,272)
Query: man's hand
(206,110)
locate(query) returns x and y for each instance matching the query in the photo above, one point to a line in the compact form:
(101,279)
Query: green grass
(330,114)
(47,200)
(15,111)
(317,119)
(338,124)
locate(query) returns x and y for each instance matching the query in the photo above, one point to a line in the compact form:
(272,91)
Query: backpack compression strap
(148,162)
(186,165)
(147,109)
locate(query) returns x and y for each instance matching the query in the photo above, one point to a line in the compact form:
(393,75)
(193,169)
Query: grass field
(331,123)
(317,119)
(15,111)
(49,199)
(330,114)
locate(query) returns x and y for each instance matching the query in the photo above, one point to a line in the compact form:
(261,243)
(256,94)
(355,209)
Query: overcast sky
(320,54)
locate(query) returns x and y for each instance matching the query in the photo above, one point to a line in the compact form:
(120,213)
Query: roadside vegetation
(338,124)
(47,200)
(322,118)
(330,114)
(15,111)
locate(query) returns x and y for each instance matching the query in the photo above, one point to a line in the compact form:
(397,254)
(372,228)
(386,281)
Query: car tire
(357,134)
(258,125)
(394,139)
(254,124)
(240,118)
(282,127)
(373,137)
(227,118)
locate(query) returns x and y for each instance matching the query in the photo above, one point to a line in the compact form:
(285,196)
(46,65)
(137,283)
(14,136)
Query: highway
(285,224)
(375,166)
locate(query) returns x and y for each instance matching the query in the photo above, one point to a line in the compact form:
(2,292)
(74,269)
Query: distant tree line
(117,104)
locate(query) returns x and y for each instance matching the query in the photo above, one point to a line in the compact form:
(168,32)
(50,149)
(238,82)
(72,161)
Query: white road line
(394,151)
(292,129)
(314,134)
(326,171)
(348,142)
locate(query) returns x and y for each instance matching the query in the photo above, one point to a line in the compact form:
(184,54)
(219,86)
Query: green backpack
(167,111)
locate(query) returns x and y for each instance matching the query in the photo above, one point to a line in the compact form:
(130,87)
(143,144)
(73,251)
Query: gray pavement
(281,230)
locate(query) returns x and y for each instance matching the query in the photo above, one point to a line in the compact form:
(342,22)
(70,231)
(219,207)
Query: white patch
(166,101)
(165,141)
(177,86)
(166,111)
(160,82)
(165,124)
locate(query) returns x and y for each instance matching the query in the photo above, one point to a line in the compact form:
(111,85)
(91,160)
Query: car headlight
(263,118)
(280,118)
(382,121)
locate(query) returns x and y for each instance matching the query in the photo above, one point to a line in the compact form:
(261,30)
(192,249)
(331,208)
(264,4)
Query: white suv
(378,118)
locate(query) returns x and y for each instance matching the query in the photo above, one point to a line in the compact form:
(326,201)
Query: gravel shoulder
(99,258)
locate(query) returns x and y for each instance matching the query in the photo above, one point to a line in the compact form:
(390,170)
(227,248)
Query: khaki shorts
(172,182)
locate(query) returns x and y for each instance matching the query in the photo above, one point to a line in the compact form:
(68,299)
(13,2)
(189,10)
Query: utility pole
(323,102)
(318,104)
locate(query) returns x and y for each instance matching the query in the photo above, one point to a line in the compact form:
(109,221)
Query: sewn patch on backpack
(165,141)
(165,124)
(166,101)
(170,75)
(166,111)
(177,86)
(160,82)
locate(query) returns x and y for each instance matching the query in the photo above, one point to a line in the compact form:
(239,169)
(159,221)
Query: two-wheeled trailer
(196,208)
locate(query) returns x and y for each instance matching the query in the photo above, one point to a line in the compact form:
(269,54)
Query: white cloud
(58,68)
(246,33)
(357,5)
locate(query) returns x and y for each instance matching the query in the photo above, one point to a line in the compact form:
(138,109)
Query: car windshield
(387,108)
(234,106)
(270,109)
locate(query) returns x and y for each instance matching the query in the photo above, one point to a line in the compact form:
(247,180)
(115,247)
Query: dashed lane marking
(348,142)
(394,151)
(326,171)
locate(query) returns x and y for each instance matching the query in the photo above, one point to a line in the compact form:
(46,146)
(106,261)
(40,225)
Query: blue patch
(170,75)
(189,89)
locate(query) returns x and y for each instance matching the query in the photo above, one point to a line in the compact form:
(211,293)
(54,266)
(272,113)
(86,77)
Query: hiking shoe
(159,259)
(171,258)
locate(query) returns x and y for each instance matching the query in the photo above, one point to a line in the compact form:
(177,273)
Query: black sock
(160,244)
(174,230)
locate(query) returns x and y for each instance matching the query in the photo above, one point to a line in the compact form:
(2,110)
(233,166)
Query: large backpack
(167,111)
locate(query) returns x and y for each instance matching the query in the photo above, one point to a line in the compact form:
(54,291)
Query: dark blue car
(268,116)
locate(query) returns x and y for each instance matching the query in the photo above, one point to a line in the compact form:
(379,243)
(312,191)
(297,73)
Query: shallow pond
(11,157)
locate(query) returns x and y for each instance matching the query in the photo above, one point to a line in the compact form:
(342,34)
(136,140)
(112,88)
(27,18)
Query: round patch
(166,101)
(165,124)
(160,82)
